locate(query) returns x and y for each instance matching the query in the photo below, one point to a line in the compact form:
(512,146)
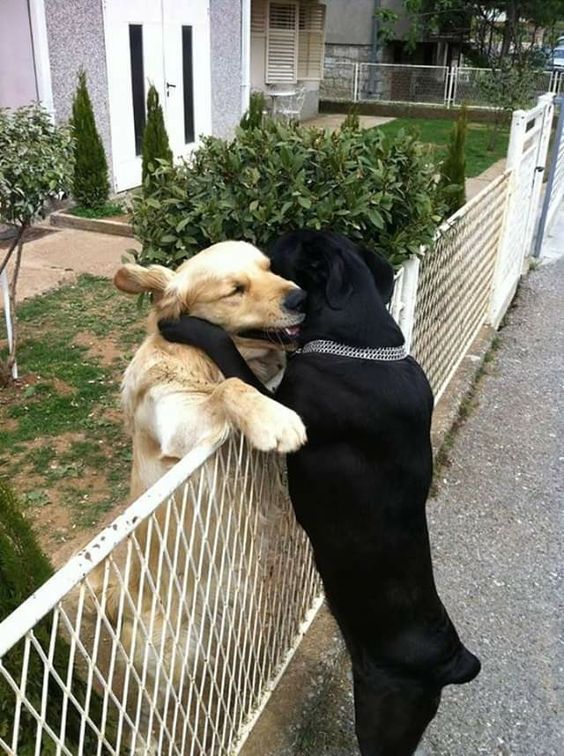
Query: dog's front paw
(276,428)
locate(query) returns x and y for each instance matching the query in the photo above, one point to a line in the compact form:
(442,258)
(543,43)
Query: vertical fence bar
(551,179)
(355,82)
(447,88)
(8,317)
(453,84)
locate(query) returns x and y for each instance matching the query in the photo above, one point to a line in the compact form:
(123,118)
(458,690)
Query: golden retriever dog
(174,396)
(175,399)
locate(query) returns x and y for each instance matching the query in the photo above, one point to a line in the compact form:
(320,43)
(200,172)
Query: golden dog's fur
(176,399)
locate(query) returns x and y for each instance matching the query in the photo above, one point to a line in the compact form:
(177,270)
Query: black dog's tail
(460,668)
(391,714)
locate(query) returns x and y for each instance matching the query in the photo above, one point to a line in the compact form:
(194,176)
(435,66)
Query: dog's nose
(295,300)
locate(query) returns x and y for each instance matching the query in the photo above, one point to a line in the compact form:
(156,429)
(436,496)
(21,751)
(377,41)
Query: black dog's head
(346,283)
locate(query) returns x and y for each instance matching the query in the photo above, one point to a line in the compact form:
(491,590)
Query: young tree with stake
(35,166)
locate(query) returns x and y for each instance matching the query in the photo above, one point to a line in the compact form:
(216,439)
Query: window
(188,84)
(294,34)
(311,44)
(137,83)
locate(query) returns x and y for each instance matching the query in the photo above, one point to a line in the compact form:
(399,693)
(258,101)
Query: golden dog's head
(229,284)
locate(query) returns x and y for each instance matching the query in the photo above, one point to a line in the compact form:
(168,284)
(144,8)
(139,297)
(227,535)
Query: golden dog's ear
(135,279)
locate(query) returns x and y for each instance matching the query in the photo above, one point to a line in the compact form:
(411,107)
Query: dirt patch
(61,387)
(104,351)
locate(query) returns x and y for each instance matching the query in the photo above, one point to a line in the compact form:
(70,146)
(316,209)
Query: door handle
(169,86)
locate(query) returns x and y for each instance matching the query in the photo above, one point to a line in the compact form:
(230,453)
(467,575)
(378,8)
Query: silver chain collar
(379,354)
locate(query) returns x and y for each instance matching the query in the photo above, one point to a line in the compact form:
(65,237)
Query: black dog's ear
(322,263)
(338,289)
(382,272)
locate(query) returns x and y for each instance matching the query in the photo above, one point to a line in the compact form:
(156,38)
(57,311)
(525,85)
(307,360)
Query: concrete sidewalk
(496,532)
(60,256)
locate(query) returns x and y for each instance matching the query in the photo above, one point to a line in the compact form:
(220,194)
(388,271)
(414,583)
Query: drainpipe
(374,48)
(245,54)
(372,77)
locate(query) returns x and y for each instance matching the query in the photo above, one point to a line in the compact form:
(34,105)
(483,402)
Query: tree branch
(14,244)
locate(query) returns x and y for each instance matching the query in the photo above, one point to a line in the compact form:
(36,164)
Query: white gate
(555,186)
(526,158)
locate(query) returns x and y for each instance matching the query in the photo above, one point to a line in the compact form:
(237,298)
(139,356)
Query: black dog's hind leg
(391,714)
(216,343)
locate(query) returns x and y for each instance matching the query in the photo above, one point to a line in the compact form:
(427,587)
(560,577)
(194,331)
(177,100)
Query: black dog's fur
(360,485)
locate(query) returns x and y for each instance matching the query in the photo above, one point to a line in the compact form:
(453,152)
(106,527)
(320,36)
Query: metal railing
(436,85)
(168,632)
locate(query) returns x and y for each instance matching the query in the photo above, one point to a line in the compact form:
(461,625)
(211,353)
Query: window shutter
(311,41)
(258,17)
(282,43)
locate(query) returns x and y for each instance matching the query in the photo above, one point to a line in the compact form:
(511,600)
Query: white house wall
(226,72)
(75,33)
(17,71)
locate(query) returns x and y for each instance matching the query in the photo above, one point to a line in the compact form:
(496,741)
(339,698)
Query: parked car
(558,58)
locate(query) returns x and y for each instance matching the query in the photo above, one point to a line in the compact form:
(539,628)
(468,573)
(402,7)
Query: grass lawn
(436,131)
(63,448)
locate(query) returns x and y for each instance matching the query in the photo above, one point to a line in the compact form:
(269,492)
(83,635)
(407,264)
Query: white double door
(165,43)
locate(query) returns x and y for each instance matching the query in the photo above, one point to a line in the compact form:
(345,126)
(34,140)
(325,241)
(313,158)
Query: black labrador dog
(360,484)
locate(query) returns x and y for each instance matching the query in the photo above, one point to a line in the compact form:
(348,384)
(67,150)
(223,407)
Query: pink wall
(17,72)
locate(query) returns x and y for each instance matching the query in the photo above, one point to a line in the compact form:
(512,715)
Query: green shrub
(254,116)
(23,569)
(453,168)
(282,177)
(352,120)
(155,139)
(90,183)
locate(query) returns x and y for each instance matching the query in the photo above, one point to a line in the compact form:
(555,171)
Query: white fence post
(555,184)
(409,298)
(8,317)
(355,82)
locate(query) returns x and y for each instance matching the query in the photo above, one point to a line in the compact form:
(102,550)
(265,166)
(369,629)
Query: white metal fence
(164,634)
(168,631)
(437,85)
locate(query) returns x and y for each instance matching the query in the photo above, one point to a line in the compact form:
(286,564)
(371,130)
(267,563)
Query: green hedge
(280,177)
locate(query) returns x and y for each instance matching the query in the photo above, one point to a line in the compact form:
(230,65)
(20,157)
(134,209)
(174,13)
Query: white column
(41,54)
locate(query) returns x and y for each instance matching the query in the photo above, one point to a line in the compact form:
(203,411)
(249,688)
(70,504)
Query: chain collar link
(379,354)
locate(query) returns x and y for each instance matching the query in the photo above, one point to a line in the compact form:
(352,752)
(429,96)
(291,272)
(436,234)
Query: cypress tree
(155,139)
(90,182)
(453,169)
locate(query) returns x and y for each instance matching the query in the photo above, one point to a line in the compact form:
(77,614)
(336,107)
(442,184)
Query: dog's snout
(295,300)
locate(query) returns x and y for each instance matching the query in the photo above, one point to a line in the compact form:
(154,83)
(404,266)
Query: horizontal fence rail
(435,85)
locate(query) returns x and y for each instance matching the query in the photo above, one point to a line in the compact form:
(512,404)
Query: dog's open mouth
(285,335)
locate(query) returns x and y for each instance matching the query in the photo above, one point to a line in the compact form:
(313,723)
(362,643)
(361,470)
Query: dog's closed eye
(238,288)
